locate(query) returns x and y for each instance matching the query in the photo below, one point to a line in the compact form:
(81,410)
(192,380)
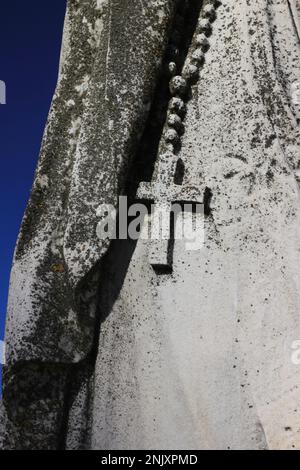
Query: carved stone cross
(164,193)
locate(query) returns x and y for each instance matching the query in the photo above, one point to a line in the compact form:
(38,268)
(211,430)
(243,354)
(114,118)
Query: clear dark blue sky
(30,39)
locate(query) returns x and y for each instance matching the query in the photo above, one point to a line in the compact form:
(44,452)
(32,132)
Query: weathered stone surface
(99,108)
(200,357)
(110,62)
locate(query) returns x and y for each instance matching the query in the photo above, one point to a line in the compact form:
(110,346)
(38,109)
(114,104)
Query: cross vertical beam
(164,196)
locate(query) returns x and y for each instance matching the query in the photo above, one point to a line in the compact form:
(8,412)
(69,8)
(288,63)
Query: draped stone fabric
(103,352)
(111,57)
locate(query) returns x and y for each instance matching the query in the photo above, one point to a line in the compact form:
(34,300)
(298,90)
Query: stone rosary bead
(172,68)
(178,85)
(177,105)
(175,121)
(198,56)
(209,11)
(204,26)
(171,136)
(190,71)
(202,41)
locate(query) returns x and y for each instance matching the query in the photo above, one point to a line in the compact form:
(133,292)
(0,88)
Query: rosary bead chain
(180,84)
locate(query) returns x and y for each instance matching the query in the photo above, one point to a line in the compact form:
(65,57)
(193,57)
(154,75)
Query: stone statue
(129,344)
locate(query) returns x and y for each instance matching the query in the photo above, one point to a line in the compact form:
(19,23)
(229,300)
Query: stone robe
(204,357)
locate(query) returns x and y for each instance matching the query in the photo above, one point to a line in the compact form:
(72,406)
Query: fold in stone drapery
(208,348)
(111,58)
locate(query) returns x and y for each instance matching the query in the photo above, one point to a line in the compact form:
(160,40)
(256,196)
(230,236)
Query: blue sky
(30,39)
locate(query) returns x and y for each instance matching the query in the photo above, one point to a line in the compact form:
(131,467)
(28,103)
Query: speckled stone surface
(202,357)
